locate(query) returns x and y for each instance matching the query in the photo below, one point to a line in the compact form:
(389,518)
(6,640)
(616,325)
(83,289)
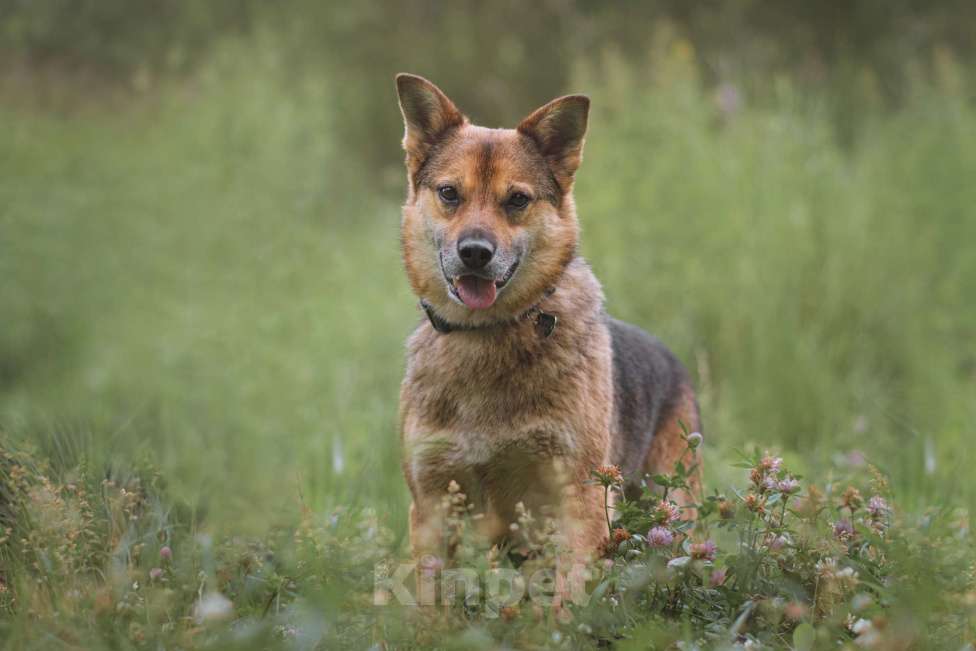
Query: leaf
(804,636)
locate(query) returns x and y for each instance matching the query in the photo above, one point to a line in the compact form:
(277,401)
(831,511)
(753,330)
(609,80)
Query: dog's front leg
(585,521)
(427,528)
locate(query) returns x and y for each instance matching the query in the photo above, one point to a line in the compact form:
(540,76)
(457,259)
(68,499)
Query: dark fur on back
(648,384)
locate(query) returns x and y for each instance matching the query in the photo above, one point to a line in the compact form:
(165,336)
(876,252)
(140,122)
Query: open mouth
(477,292)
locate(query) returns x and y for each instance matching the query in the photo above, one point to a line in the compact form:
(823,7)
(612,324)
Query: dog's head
(489,222)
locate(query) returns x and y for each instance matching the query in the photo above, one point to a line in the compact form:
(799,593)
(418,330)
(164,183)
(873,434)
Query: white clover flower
(213,607)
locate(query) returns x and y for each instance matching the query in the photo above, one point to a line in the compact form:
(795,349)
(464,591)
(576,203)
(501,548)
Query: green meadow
(201,284)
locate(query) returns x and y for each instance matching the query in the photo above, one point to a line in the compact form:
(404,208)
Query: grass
(201,291)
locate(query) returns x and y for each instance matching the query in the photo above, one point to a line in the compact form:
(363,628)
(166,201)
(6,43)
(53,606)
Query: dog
(518,385)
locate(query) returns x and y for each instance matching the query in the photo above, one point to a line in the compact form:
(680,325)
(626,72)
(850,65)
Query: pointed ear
(558,128)
(427,114)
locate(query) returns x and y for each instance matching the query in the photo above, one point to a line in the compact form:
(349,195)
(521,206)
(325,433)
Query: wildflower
(726,510)
(847,579)
(843,529)
(728,99)
(165,553)
(852,498)
(155,573)
(861,601)
(754,504)
(679,562)
(795,610)
(778,543)
(826,568)
(867,634)
(789,485)
(430,565)
(608,476)
(856,458)
(694,440)
(667,512)
(213,606)
(718,577)
(620,534)
(770,464)
(704,550)
(770,483)
(877,506)
(756,476)
(660,537)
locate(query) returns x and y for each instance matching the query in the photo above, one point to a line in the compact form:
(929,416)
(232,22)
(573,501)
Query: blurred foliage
(113,37)
(499,57)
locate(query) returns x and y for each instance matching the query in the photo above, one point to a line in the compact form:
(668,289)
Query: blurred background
(199,204)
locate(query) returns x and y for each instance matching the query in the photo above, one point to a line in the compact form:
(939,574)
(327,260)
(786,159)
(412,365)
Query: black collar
(545,323)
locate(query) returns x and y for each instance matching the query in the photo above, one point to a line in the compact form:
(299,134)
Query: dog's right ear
(427,114)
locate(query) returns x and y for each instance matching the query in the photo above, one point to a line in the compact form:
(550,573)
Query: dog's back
(652,400)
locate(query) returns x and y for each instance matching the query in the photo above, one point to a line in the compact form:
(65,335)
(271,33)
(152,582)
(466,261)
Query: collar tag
(545,323)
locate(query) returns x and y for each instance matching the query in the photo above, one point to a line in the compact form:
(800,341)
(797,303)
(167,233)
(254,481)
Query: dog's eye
(448,193)
(518,200)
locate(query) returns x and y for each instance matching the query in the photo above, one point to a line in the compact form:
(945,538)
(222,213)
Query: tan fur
(668,447)
(534,420)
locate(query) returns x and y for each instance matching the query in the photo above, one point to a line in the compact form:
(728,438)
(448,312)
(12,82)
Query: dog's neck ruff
(545,323)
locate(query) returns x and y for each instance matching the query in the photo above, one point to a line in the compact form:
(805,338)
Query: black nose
(475,252)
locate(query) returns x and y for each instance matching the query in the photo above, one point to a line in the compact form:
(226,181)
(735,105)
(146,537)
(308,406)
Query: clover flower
(778,543)
(877,507)
(826,568)
(718,577)
(213,606)
(667,512)
(867,633)
(608,476)
(843,529)
(795,610)
(756,476)
(789,485)
(165,553)
(430,565)
(852,498)
(770,464)
(704,551)
(660,537)
(726,509)
(754,504)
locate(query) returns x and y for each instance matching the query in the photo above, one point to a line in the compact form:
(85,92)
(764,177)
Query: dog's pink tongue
(477,293)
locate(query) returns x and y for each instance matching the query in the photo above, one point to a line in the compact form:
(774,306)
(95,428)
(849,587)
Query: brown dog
(518,384)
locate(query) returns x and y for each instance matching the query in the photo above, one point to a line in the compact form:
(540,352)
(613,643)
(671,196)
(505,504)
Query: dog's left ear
(427,115)
(558,129)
